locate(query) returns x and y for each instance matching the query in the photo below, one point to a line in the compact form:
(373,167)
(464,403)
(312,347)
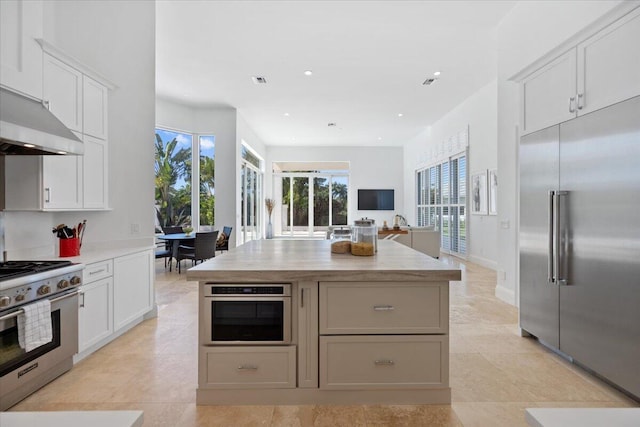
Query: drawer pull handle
(383,307)
(247,368)
(96,272)
(384,362)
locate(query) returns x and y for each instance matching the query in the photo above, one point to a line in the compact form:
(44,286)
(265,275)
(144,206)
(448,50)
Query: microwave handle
(302,297)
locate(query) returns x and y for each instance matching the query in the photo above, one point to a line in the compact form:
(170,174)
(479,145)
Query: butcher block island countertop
(364,330)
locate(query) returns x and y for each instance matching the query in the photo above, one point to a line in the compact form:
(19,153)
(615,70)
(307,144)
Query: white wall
(370,167)
(117,39)
(528,32)
(479,114)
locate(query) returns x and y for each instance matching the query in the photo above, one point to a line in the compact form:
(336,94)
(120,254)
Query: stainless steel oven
(247,314)
(21,372)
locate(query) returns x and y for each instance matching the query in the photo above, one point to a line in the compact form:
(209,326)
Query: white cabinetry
(610,65)
(116,295)
(600,71)
(95,317)
(20,55)
(62,92)
(95,108)
(132,293)
(66,182)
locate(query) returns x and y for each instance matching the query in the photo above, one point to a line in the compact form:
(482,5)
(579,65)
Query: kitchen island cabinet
(364,329)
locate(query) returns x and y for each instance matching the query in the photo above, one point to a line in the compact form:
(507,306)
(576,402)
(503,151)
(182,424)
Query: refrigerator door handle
(551,251)
(561,249)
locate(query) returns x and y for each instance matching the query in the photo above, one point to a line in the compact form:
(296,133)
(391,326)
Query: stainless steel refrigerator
(580,240)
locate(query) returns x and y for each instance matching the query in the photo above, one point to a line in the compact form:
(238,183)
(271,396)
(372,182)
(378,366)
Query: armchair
(223,245)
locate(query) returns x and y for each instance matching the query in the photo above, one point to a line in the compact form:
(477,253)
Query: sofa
(422,239)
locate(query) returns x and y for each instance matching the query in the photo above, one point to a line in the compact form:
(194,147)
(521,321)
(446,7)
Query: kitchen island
(363,329)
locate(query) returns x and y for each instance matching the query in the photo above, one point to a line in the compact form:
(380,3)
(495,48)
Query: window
(251,205)
(185,179)
(173,178)
(207,180)
(441,201)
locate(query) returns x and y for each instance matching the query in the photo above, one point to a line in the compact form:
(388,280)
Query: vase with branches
(270,204)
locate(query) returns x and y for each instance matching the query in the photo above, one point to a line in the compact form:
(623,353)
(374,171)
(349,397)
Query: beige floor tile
(491,414)
(339,416)
(494,373)
(293,416)
(410,415)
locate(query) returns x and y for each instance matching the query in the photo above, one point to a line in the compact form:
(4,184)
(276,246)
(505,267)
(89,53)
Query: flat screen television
(375,200)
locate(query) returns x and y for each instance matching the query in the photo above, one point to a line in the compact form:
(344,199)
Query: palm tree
(170,164)
(207,190)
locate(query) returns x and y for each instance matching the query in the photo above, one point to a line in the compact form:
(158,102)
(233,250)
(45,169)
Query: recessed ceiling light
(286,114)
(259,80)
(308,72)
(400,114)
(29,145)
(379,138)
(437,73)
(331,124)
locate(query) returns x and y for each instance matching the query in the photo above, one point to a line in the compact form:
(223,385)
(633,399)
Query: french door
(311,202)
(251,206)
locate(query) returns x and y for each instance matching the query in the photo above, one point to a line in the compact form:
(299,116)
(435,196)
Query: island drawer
(384,308)
(250,367)
(384,362)
(97,270)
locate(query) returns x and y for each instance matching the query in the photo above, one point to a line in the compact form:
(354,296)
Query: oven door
(21,373)
(247,320)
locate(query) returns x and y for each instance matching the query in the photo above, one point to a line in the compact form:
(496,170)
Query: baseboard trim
(506,295)
(483,262)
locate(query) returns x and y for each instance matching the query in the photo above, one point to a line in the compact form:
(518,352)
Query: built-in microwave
(247,314)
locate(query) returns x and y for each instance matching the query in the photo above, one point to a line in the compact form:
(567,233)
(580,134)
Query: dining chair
(171,229)
(204,247)
(223,244)
(163,251)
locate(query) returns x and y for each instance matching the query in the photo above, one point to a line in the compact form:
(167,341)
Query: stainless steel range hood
(27,127)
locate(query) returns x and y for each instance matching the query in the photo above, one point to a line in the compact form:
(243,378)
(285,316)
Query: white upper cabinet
(609,65)
(95,108)
(61,181)
(20,54)
(94,169)
(598,72)
(547,93)
(63,92)
(66,183)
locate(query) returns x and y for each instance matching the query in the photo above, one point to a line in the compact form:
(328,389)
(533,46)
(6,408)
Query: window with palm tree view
(177,176)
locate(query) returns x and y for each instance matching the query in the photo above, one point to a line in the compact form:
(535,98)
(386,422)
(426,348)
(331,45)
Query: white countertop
(72,419)
(95,255)
(583,417)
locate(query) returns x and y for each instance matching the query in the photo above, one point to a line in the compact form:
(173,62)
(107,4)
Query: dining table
(176,240)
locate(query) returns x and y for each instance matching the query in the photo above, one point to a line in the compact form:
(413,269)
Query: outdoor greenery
(321,201)
(173,179)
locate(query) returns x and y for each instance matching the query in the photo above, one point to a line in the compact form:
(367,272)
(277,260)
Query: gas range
(22,282)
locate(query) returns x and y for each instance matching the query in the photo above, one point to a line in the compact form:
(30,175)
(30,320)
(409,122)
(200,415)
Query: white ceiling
(369,59)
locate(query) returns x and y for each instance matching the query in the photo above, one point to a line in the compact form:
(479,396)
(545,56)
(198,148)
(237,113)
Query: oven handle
(20,311)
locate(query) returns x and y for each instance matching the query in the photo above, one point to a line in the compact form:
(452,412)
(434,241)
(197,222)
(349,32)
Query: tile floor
(495,374)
